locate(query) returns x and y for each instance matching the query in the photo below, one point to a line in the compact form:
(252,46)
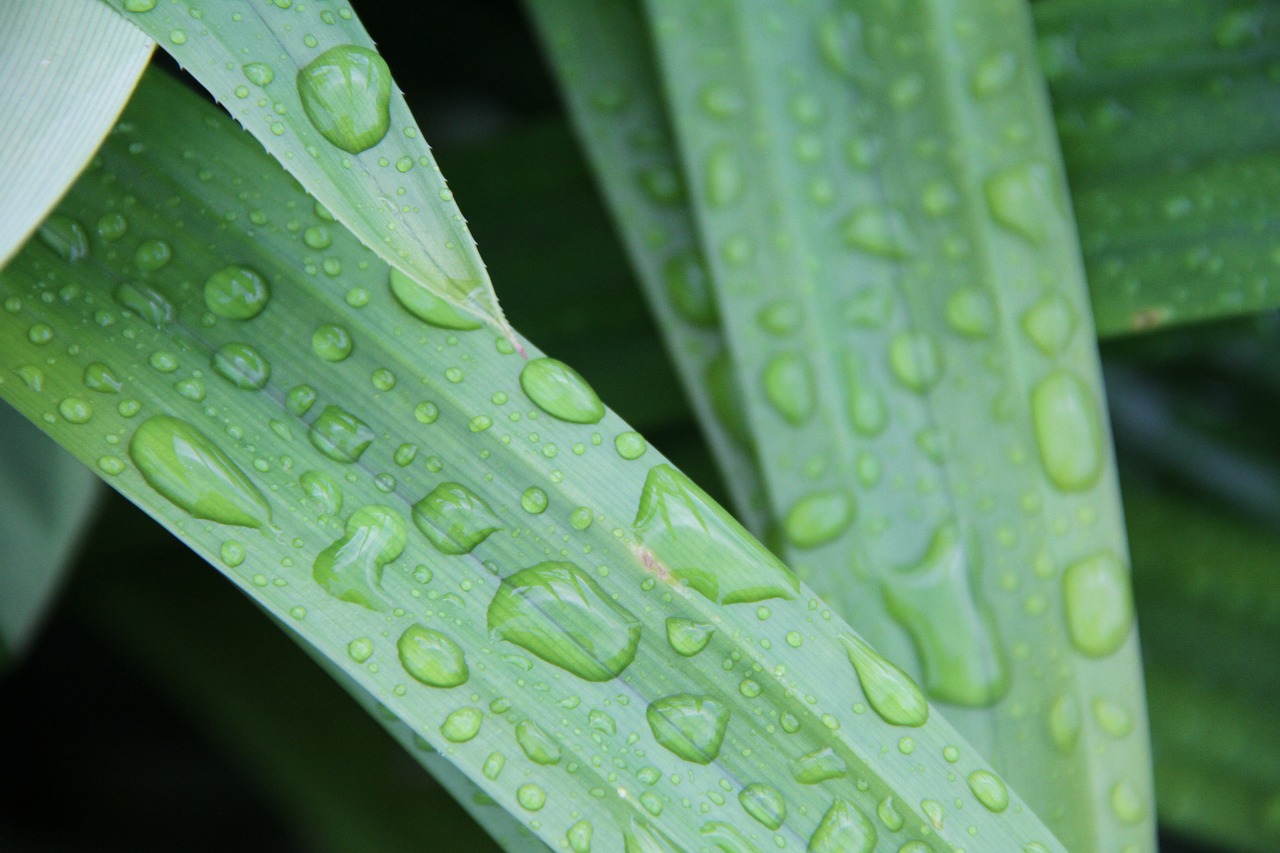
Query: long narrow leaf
(879,191)
(471,537)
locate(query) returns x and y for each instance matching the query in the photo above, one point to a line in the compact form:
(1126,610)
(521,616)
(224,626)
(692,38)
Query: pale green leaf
(307,82)
(68,67)
(548,603)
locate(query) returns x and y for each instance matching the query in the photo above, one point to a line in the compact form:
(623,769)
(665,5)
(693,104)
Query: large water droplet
(432,657)
(843,829)
(687,637)
(990,790)
(531,797)
(454,519)
(560,391)
(890,692)
(818,766)
(788,385)
(953,635)
(764,803)
(537,745)
(1021,199)
(559,613)
(321,489)
(340,435)
(346,94)
(351,568)
(147,302)
(99,377)
(689,288)
(819,518)
(426,306)
(579,836)
(1068,430)
(877,230)
(193,473)
(690,726)
(242,366)
(1098,604)
(65,236)
(332,342)
(236,293)
(687,535)
(462,725)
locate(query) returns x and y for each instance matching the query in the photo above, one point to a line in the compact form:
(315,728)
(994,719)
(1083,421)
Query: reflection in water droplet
(432,657)
(75,410)
(454,519)
(346,94)
(890,692)
(559,613)
(687,535)
(331,342)
(843,829)
(560,391)
(1098,604)
(193,473)
(531,797)
(692,727)
(351,568)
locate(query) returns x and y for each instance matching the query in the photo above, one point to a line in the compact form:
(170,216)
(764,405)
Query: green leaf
(637,167)
(68,67)
(1168,121)
(49,497)
(880,202)
(495,656)
(306,81)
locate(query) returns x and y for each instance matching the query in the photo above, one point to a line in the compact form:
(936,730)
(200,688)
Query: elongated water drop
(890,691)
(193,473)
(340,435)
(843,829)
(145,301)
(1098,604)
(560,391)
(915,360)
(242,366)
(538,746)
(1069,431)
(1021,198)
(351,568)
(426,306)
(788,385)
(65,236)
(687,535)
(689,288)
(558,612)
(99,377)
(990,790)
(764,803)
(692,727)
(579,836)
(454,519)
(723,176)
(819,518)
(346,94)
(878,231)
(432,657)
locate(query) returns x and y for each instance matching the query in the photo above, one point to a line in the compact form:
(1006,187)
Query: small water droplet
(462,725)
(360,649)
(1127,803)
(630,445)
(889,815)
(843,829)
(1050,323)
(993,73)
(236,293)
(531,797)
(689,288)
(258,73)
(331,342)
(1064,723)
(723,176)
(147,302)
(879,231)
(915,360)
(346,94)
(579,836)
(1021,198)
(300,399)
(990,790)
(75,410)
(153,255)
(970,312)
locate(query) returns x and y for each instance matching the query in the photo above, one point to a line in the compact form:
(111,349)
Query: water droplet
(1021,198)
(915,360)
(689,288)
(692,727)
(317,237)
(764,803)
(954,637)
(1098,604)
(1068,430)
(531,797)
(1050,323)
(560,391)
(819,518)
(889,815)
(1064,723)
(687,535)
(236,293)
(360,649)
(462,725)
(346,94)
(258,73)
(559,613)
(165,362)
(993,73)
(720,100)
(193,473)
(661,183)
(426,412)
(153,255)
(111,465)
(579,836)
(300,399)
(990,790)
(890,692)
(65,236)
(630,445)
(580,518)
(537,745)
(147,302)
(139,5)
(75,410)
(427,306)
(726,401)
(843,829)
(242,366)
(818,766)
(340,435)
(454,519)
(534,500)
(687,637)
(432,657)
(112,226)
(351,568)
(331,342)
(723,176)
(877,230)
(1127,803)
(788,386)
(970,312)
(493,765)
(1113,717)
